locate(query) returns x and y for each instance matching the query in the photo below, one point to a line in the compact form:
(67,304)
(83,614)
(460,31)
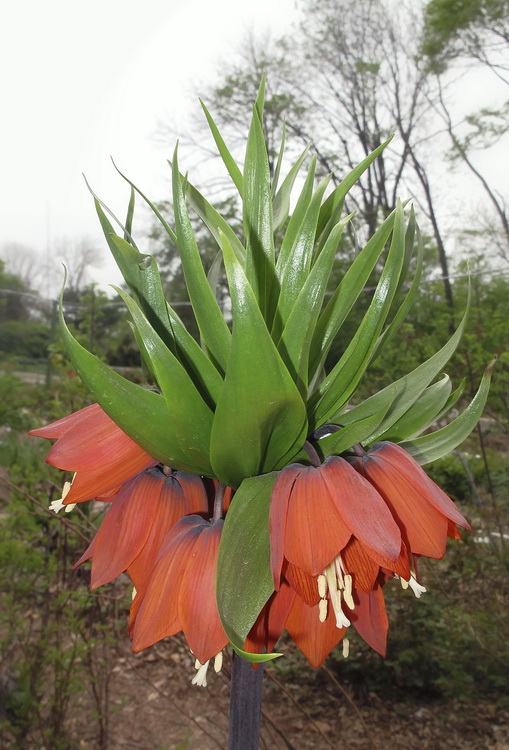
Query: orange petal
(197,607)
(314,638)
(453,531)
(99,481)
(126,526)
(181,495)
(369,618)
(423,528)
(86,555)
(401,566)
(305,585)
(361,508)
(402,462)
(58,428)
(279,500)
(154,611)
(271,621)
(315,533)
(358,563)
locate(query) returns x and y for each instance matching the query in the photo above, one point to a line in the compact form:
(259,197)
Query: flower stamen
(57,505)
(200,677)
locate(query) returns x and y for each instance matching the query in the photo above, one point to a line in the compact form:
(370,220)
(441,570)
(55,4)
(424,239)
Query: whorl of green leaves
(240,403)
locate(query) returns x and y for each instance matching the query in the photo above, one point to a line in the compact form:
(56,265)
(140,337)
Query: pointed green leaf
(453,398)
(345,296)
(260,417)
(292,230)
(229,161)
(408,388)
(141,414)
(213,329)
(431,447)
(244,581)
(189,414)
(255,658)
(409,300)
(142,276)
(257,215)
(293,270)
(213,220)
(341,382)
(130,214)
(279,162)
(149,203)
(335,200)
(354,433)
(423,412)
(295,343)
(282,197)
(410,233)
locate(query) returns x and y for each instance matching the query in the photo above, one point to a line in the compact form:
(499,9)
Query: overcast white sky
(83,81)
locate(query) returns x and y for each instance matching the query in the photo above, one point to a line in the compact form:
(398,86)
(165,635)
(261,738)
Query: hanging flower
(180,594)
(140,515)
(95,448)
(423,512)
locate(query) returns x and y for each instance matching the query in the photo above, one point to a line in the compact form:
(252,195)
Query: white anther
(416,587)
(218,661)
(322,586)
(346,647)
(347,593)
(322,610)
(200,677)
(57,505)
(404,584)
(338,564)
(342,620)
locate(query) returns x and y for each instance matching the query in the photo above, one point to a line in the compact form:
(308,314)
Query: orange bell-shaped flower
(180,594)
(423,512)
(140,515)
(96,449)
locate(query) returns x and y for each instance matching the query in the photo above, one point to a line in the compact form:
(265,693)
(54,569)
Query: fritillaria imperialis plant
(249,491)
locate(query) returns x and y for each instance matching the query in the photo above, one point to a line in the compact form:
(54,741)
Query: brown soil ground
(153,706)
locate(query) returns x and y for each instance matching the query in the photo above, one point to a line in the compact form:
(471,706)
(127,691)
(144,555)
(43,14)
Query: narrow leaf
(190,416)
(213,220)
(124,402)
(410,297)
(347,293)
(209,317)
(408,388)
(130,215)
(295,342)
(336,198)
(437,444)
(257,215)
(277,170)
(294,267)
(229,161)
(423,412)
(341,382)
(282,197)
(260,417)
(354,433)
